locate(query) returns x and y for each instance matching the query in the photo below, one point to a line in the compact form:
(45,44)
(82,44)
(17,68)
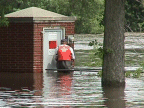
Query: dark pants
(64,64)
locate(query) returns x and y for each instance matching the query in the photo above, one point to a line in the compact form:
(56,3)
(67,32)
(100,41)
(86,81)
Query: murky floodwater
(70,90)
(134,47)
(67,89)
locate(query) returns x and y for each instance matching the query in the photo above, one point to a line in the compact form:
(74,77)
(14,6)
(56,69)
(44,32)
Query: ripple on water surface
(72,90)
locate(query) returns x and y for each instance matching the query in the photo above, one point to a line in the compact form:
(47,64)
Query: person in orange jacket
(64,56)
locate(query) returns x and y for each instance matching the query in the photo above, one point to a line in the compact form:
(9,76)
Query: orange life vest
(64,53)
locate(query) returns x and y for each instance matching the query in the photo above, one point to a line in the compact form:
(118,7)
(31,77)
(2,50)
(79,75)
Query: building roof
(37,14)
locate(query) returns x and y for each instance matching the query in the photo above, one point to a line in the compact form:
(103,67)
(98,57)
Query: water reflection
(20,89)
(72,90)
(114,97)
(16,81)
(57,89)
(64,83)
(38,83)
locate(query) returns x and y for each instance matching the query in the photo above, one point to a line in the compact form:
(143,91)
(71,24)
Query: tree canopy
(89,13)
(134,10)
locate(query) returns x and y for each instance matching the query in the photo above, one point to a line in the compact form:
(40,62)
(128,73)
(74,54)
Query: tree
(3,21)
(113,59)
(89,13)
(4,8)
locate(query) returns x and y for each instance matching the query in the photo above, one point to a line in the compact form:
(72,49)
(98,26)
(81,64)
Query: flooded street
(75,89)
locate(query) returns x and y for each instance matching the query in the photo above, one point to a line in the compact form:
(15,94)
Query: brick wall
(16,48)
(21,48)
(38,40)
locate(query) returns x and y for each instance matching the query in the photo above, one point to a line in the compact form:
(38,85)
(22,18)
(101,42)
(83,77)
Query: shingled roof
(39,14)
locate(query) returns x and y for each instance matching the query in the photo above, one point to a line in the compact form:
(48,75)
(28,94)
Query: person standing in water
(64,56)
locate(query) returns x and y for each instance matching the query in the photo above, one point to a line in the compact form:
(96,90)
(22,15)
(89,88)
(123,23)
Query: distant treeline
(89,13)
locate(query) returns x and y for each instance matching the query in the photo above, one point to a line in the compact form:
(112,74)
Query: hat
(64,40)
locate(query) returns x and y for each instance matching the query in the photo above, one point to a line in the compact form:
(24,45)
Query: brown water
(72,90)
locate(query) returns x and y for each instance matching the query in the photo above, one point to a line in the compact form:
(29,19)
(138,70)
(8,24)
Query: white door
(51,39)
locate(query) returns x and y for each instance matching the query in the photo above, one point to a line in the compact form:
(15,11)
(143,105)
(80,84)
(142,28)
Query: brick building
(22,42)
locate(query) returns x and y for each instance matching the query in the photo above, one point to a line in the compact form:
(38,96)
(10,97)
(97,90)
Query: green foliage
(95,42)
(59,6)
(134,74)
(97,49)
(95,59)
(89,13)
(95,24)
(100,53)
(87,58)
(99,74)
(142,64)
(137,73)
(134,13)
(97,53)
(3,21)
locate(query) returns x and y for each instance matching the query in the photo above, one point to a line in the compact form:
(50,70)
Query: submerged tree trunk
(113,60)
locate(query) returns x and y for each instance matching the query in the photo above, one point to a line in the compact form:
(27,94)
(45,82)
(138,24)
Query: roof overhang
(42,19)
(34,14)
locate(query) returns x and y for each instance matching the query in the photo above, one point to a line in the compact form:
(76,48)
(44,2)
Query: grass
(134,74)
(133,57)
(87,58)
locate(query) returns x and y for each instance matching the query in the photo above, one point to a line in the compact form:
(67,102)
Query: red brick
(22,45)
